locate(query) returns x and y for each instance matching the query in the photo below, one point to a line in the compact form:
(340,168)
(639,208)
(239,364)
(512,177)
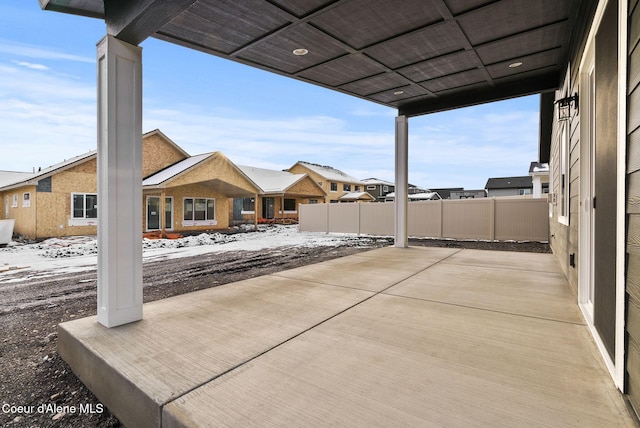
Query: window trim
(83,221)
(332,185)
(26,200)
(193,222)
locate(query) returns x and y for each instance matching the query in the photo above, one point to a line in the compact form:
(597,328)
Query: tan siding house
(279,195)
(195,194)
(334,182)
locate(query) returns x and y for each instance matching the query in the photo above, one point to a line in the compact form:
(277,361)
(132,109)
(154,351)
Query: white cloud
(31,65)
(29,51)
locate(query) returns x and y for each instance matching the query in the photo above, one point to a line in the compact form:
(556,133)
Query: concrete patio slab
(374,270)
(393,361)
(391,337)
(185,341)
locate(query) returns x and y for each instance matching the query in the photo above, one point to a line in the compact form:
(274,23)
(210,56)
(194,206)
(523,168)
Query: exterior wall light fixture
(564,107)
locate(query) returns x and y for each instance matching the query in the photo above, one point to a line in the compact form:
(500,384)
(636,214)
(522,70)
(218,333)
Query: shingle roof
(509,182)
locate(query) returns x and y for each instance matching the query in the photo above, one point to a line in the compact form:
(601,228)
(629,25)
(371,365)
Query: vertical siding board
(633,151)
(633,209)
(633,193)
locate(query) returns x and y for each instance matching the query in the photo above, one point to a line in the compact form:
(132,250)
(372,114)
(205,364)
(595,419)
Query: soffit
(417,56)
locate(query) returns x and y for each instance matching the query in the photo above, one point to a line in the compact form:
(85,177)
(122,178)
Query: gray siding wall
(564,239)
(633,209)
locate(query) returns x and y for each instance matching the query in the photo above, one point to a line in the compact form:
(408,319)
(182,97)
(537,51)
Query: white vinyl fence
(491,219)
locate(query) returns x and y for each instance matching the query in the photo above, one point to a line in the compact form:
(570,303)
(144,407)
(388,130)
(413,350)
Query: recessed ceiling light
(398,93)
(300,51)
(515,64)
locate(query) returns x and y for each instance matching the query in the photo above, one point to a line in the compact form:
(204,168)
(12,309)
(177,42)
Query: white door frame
(585,273)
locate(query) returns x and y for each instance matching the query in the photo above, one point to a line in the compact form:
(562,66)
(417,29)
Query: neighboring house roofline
(163,177)
(254,174)
(169,140)
(327,172)
(509,182)
(53,169)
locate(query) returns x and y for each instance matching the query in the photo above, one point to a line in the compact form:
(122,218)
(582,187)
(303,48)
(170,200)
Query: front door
(153,213)
(168,213)
(598,176)
(268,207)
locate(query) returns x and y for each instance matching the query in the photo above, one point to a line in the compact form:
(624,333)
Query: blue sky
(205,104)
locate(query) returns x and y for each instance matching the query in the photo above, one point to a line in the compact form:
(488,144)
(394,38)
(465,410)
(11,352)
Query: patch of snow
(19,262)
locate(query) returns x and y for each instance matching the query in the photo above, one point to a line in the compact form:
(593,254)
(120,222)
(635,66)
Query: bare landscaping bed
(37,388)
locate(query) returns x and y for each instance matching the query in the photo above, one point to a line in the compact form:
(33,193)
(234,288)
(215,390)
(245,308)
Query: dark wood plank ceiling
(418,56)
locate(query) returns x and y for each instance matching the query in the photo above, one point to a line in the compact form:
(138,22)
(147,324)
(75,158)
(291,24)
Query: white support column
(402,181)
(119,182)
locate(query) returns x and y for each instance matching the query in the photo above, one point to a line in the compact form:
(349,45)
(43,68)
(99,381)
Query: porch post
(119,182)
(402,181)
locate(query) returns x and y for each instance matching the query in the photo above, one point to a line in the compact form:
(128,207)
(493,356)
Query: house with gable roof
(194,194)
(181,193)
(279,194)
(334,182)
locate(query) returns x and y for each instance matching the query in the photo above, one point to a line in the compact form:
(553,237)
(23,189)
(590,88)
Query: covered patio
(391,337)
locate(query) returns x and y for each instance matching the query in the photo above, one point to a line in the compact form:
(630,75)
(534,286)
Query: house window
(357,189)
(313,201)
(385,188)
(248,205)
(26,200)
(320,183)
(525,191)
(371,187)
(14,201)
(564,175)
(346,187)
(84,209)
(84,205)
(334,187)
(199,212)
(290,205)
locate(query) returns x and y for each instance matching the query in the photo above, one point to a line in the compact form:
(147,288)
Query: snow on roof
(538,168)
(425,196)
(417,196)
(22,178)
(173,170)
(329,172)
(271,180)
(377,181)
(356,196)
(8,178)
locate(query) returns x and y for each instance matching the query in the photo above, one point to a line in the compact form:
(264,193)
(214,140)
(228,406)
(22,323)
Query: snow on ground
(79,253)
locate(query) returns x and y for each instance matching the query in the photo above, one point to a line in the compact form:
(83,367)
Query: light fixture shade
(564,112)
(564,107)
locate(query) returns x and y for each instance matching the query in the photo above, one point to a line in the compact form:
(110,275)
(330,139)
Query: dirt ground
(33,376)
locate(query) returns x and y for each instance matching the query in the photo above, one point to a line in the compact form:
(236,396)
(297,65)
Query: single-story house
(194,194)
(509,186)
(278,194)
(334,182)
(181,193)
(56,201)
